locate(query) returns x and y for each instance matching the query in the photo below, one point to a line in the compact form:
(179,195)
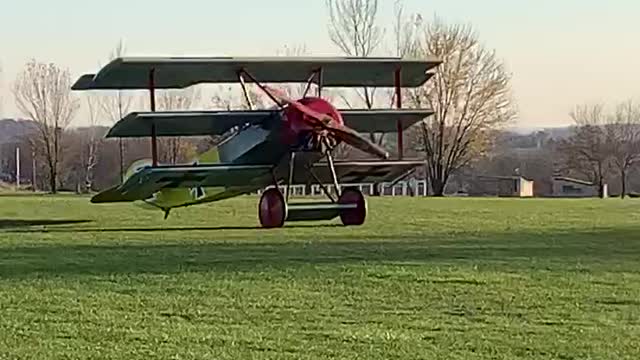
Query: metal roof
(572,180)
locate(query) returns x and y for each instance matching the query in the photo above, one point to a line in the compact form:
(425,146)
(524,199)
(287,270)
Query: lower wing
(354,172)
(148,181)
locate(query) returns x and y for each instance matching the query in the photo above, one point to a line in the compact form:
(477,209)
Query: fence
(401,188)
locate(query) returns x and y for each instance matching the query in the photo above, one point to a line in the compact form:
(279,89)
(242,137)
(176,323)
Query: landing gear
(356,214)
(272,209)
(349,204)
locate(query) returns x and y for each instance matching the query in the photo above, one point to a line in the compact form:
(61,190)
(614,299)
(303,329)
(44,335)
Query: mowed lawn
(423,279)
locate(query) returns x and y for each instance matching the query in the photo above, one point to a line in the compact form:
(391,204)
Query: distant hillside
(11,130)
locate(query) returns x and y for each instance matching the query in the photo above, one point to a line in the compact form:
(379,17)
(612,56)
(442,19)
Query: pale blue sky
(560,52)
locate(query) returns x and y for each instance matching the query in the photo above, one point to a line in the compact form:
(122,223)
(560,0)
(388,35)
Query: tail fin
(171,197)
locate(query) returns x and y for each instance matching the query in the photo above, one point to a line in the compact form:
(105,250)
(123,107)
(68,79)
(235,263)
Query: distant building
(503,186)
(570,187)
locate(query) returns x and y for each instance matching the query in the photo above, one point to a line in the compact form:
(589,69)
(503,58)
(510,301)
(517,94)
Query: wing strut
(309,82)
(316,74)
(243,84)
(332,168)
(399,106)
(152,103)
(245,72)
(319,72)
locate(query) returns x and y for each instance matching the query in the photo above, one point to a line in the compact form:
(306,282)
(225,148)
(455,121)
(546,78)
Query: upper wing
(187,123)
(383,120)
(173,72)
(143,184)
(353,172)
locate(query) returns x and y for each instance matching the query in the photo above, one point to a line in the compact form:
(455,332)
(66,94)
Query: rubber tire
(353,217)
(272,209)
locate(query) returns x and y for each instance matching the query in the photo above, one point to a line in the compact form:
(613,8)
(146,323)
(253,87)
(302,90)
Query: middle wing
(186,123)
(383,120)
(194,123)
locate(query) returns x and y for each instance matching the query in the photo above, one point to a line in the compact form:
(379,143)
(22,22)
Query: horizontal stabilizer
(187,123)
(182,72)
(383,120)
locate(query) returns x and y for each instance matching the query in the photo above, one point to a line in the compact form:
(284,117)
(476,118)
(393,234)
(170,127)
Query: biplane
(264,150)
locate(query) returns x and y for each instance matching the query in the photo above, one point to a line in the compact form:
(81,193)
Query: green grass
(423,279)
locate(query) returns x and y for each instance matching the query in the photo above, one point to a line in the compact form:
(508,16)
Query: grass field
(423,279)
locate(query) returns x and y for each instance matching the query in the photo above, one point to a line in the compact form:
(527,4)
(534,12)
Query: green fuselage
(258,145)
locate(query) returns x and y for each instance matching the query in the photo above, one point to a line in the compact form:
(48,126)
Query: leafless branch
(174,149)
(354,28)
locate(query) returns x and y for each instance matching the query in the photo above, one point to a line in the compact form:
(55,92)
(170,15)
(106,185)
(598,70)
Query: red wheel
(354,216)
(272,209)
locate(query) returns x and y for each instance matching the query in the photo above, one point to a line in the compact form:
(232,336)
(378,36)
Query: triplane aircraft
(263,148)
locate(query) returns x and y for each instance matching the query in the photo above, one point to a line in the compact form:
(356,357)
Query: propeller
(339,131)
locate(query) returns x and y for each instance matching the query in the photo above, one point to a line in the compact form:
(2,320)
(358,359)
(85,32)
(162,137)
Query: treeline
(537,156)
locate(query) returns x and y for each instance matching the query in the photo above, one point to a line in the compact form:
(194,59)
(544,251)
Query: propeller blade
(342,133)
(282,97)
(358,141)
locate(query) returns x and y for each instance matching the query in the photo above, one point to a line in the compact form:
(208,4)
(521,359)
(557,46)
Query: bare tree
(624,138)
(116,105)
(43,93)
(588,150)
(406,31)
(293,90)
(92,143)
(354,28)
(173,149)
(231,98)
(470,95)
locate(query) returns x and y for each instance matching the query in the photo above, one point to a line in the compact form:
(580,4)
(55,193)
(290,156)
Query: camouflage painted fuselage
(267,143)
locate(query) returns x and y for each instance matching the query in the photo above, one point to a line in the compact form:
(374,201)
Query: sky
(560,53)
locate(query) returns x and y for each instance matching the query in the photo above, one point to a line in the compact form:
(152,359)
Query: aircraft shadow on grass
(21,223)
(27,223)
(586,250)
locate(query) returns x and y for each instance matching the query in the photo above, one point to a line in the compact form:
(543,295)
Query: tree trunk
(91,163)
(600,189)
(52,179)
(438,186)
(600,182)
